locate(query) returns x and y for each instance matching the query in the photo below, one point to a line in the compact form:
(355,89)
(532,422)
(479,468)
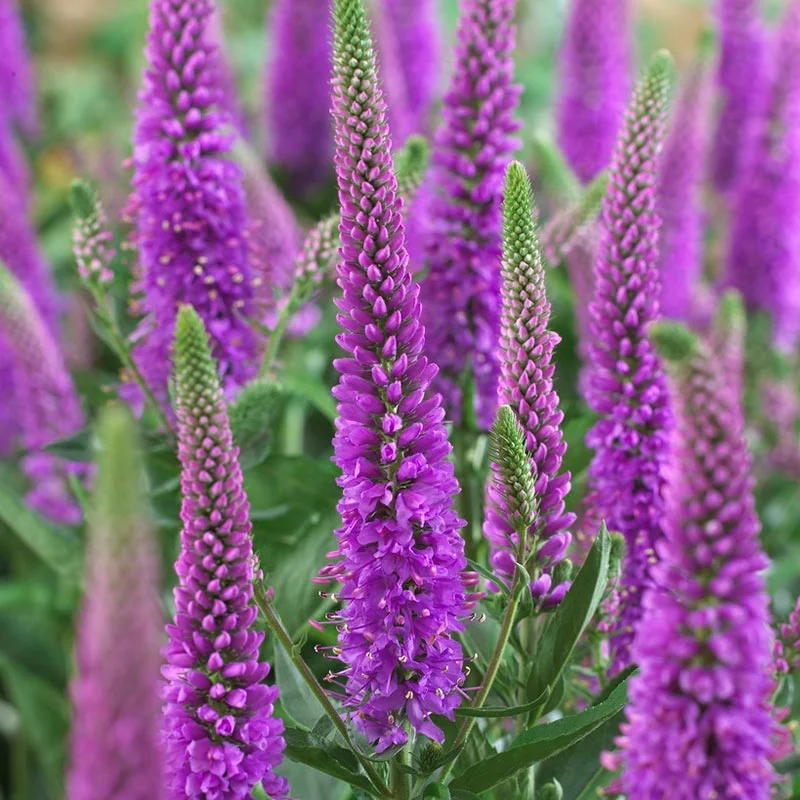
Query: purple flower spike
(221,736)
(115,748)
(189,203)
(17,89)
(740,84)
(526,386)
(699,717)
(416,30)
(471,150)
(627,385)
(595,82)
(273,235)
(763,260)
(20,252)
(297,93)
(679,200)
(47,405)
(400,554)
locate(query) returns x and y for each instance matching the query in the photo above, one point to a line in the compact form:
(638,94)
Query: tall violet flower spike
(115,748)
(627,385)
(297,101)
(740,84)
(679,199)
(221,736)
(763,260)
(416,29)
(699,720)
(47,405)
(595,82)
(400,554)
(17,89)
(188,198)
(526,386)
(471,150)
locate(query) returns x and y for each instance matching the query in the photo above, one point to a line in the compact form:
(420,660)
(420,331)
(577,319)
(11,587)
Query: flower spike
(400,556)
(221,735)
(628,386)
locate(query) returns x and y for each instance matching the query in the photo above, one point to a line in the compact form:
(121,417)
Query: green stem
(264,604)
(276,336)
(492,669)
(105,312)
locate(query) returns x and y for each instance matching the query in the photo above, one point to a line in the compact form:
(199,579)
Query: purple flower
(627,383)
(17,90)
(595,82)
(699,716)
(46,404)
(763,260)
(679,200)
(790,640)
(740,83)
(221,736)
(273,235)
(472,148)
(189,202)
(115,748)
(416,29)
(297,112)
(400,554)
(92,241)
(526,386)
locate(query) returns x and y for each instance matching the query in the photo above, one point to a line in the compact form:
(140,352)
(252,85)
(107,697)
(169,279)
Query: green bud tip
(617,549)
(415,151)
(509,453)
(730,313)
(195,368)
(83,199)
(119,492)
(674,341)
(662,66)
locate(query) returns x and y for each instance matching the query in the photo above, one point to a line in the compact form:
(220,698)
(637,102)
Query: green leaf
(305,748)
(500,712)
(460,794)
(78,447)
(58,547)
(436,791)
(44,713)
(538,743)
(310,388)
(571,617)
(297,701)
(578,768)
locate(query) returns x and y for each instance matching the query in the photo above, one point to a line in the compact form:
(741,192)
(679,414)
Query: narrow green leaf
(571,617)
(436,791)
(304,748)
(78,447)
(578,768)
(538,743)
(58,547)
(500,712)
(44,715)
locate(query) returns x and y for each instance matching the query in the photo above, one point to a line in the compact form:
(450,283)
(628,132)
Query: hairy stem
(264,604)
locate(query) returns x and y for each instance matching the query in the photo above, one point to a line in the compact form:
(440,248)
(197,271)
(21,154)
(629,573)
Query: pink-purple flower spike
(221,736)
(699,716)
(188,200)
(115,747)
(400,555)
(471,150)
(595,82)
(526,386)
(627,385)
